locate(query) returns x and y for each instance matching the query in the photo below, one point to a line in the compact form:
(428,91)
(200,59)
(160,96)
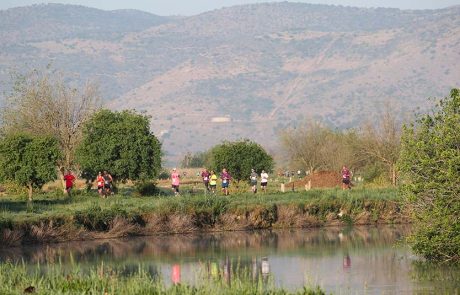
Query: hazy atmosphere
(183,7)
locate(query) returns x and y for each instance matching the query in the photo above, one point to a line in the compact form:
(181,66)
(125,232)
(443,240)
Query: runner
(346,178)
(100,183)
(264,180)
(205,175)
(213,182)
(175,180)
(107,183)
(226,177)
(69,180)
(253,178)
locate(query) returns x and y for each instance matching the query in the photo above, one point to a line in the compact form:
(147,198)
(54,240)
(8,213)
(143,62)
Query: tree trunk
(30,191)
(393,175)
(61,177)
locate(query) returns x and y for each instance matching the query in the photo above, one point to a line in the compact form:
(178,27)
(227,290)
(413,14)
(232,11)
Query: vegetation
(430,163)
(41,103)
(17,279)
(87,216)
(28,161)
(196,160)
(121,143)
(239,158)
(371,150)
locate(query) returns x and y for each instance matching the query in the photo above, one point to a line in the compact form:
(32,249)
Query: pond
(357,260)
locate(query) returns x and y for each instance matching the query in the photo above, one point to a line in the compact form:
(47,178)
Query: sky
(191,7)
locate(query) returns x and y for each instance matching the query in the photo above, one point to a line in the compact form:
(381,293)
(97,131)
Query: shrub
(430,164)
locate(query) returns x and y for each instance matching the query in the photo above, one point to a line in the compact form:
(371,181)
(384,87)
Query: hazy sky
(189,7)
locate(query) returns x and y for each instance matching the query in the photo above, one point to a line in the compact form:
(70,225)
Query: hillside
(243,71)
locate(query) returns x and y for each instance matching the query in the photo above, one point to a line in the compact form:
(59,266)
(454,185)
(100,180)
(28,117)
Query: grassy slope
(15,210)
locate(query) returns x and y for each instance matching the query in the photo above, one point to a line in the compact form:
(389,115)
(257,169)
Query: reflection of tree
(444,279)
(318,242)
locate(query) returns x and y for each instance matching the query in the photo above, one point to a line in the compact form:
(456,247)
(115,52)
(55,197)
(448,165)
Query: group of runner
(104,184)
(210,180)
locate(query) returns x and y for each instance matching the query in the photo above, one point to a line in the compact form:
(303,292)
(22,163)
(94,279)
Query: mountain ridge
(250,70)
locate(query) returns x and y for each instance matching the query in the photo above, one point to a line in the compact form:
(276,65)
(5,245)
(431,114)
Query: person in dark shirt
(205,175)
(346,178)
(225,177)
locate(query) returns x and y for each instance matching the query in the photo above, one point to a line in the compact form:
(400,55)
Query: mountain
(244,71)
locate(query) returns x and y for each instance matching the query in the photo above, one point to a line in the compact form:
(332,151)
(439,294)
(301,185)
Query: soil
(321,179)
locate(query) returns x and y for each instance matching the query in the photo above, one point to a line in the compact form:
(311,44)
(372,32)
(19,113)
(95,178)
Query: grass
(16,210)
(54,218)
(18,279)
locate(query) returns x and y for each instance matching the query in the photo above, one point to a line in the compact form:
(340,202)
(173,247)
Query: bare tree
(41,103)
(381,141)
(314,146)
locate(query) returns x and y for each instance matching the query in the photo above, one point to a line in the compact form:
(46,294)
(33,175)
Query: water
(359,260)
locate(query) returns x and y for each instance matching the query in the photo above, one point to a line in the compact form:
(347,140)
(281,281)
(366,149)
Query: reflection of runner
(346,261)
(225,176)
(346,178)
(264,180)
(175,180)
(175,275)
(253,178)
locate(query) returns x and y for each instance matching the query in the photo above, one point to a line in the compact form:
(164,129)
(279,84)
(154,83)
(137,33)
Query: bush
(146,188)
(430,164)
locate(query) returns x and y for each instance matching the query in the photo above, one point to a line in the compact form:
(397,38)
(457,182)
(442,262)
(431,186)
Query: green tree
(430,166)
(121,143)
(239,158)
(42,103)
(29,161)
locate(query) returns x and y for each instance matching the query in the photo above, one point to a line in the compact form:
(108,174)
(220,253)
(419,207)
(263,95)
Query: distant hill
(243,71)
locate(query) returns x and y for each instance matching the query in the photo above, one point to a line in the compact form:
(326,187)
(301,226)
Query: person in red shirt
(100,183)
(69,180)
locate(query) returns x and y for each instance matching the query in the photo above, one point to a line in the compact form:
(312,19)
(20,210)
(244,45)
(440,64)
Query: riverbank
(87,217)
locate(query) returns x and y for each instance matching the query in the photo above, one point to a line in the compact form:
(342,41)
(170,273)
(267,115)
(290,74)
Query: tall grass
(53,279)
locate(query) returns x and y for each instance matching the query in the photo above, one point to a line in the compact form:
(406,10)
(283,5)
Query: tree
(196,160)
(29,161)
(121,143)
(430,167)
(381,143)
(41,103)
(314,147)
(239,158)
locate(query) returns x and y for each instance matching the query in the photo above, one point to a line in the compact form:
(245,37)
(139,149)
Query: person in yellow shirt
(213,182)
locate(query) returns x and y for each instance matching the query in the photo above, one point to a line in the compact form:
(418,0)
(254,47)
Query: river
(357,260)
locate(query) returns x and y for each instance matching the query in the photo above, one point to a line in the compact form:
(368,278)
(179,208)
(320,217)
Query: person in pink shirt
(175,180)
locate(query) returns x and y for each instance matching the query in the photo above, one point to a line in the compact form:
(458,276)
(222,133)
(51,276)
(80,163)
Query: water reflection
(343,261)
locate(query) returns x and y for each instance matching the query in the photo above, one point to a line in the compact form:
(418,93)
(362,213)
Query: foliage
(197,160)
(146,188)
(42,103)
(121,143)
(430,164)
(29,161)
(381,143)
(239,158)
(314,147)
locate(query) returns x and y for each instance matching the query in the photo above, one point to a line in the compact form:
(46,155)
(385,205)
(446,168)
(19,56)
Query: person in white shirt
(264,180)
